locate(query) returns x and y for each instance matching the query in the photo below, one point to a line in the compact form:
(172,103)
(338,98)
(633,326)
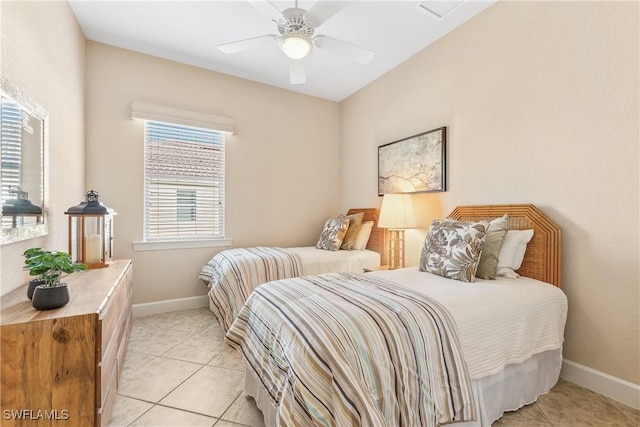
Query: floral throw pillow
(452,249)
(332,234)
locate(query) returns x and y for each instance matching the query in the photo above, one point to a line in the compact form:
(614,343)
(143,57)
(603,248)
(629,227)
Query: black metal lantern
(91,232)
(20,207)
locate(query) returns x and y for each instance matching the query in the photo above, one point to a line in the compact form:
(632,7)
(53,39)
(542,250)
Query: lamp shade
(397,212)
(296,46)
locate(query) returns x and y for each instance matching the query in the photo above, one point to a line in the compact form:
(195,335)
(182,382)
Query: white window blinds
(184,182)
(11,153)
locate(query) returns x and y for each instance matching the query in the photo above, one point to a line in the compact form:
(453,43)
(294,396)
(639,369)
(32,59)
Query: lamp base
(396,249)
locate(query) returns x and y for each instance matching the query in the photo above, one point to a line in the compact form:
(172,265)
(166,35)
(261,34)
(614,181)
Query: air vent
(439,8)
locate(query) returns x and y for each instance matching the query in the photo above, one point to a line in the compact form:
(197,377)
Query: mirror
(22,172)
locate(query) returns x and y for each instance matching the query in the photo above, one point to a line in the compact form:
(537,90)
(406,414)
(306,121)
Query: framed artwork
(413,165)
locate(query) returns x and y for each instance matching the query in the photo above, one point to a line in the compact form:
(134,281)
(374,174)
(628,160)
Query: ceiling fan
(296,39)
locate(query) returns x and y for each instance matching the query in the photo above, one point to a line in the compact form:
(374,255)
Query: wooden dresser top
(89,292)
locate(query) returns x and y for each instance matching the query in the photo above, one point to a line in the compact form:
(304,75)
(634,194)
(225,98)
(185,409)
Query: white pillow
(362,238)
(512,250)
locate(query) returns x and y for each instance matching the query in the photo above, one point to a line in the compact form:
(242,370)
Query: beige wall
(541,101)
(282,164)
(541,104)
(43,56)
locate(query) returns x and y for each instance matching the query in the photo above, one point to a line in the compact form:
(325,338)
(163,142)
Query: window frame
(175,117)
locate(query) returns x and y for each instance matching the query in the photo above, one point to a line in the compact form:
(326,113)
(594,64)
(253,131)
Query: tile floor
(179,372)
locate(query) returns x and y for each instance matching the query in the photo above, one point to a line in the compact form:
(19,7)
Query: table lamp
(396,215)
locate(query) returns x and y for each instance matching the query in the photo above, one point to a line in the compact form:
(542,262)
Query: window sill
(162,245)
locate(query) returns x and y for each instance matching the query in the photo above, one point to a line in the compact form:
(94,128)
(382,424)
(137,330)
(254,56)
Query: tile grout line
(545,414)
(154,357)
(163,355)
(183,381)
(624,414)
(140,416)
(181,342)
(164,405)
(229,407)
(172,390)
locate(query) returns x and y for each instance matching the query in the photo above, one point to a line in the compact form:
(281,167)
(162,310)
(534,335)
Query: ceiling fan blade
(247,44)
(297,73)
(322,11)
(347,50)
(266,8)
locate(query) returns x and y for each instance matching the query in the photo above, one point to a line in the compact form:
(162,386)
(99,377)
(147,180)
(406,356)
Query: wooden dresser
(61,367)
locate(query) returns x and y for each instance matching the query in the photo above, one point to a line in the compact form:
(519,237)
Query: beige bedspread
(350,349)
(233,274)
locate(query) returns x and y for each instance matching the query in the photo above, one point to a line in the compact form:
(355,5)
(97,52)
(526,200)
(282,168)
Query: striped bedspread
(347,349)
(234,273)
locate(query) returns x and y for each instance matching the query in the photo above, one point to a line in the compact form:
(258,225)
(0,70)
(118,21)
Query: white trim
(159,113)
(616,388)
(167,306)
(162,245)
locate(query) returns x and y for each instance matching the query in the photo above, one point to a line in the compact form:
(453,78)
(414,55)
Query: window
(11,148)
(184,182)
(186,205)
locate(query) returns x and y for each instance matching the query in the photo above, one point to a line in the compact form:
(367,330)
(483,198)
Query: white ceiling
(189,31)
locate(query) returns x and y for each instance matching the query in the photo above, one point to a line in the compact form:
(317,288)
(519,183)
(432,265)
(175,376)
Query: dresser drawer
(106,371)
(113,356)
(114,321)
(111,369)
(104,411)
(118,302)
(122,351)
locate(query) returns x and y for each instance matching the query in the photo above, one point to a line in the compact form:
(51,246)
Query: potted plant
(50,267)
(29,259)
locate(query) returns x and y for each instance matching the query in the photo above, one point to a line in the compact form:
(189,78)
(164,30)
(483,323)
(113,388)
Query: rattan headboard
(543,256)
(376,240)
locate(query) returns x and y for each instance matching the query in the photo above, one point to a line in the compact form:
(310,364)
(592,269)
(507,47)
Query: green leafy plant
(30,256)
(50,266)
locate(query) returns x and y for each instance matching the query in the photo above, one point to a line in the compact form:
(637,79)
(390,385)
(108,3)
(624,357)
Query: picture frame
(416,164)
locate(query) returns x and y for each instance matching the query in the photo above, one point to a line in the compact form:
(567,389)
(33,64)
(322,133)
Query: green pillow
(488,265)
(355,222)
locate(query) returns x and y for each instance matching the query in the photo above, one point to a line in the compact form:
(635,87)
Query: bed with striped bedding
(233,274)
(510,332)
(350,349)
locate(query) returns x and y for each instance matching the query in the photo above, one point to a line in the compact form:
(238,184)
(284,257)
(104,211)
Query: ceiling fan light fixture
(296,46)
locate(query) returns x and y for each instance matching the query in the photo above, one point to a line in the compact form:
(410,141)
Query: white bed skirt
(515,386)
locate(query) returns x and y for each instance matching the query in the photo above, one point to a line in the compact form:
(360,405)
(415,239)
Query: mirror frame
(18,234)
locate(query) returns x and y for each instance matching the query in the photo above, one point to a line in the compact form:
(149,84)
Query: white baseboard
(617,389)
(166,306)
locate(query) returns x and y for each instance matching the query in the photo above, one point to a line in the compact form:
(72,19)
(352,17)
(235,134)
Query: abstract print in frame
(413,165)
